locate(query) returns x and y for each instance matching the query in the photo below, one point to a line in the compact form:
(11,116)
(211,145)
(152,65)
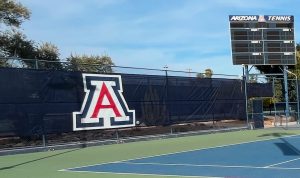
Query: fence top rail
(121,67)
(275,74)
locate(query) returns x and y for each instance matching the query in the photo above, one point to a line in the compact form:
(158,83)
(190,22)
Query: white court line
(221,146)
(210,165)
(282,163)
(125,173)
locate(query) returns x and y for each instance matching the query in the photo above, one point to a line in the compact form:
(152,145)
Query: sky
(187,35)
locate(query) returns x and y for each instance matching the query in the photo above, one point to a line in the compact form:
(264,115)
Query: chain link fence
(45,127)
(271,109)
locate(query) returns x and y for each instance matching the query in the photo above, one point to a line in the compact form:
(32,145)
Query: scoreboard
(262,39)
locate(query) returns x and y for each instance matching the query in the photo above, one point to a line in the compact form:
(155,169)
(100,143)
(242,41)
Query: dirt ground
(269,122)
(81,136)
(272,121)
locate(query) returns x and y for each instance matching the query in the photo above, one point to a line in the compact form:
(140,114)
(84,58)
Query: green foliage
(253,79)
(208,73)
(13,13)
(48,51)
(268,101)
(278,95)
(92,63)
(3,63)
(200,75)
(14,43)
(48,56)
(268,69)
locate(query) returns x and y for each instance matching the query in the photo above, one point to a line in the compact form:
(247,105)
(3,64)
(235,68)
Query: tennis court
(254,159)
(248,153)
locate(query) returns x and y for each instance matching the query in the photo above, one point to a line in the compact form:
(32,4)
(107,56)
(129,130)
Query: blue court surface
(278,157)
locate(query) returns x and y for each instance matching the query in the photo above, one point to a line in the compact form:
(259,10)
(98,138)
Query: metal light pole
(166,69)
(189,71)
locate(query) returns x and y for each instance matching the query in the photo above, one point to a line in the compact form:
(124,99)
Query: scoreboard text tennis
(262,39)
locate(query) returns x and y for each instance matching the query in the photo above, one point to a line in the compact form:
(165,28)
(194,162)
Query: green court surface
(49,164)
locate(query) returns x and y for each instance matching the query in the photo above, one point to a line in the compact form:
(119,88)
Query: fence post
(44,140)
(166,97)
(36,64)
(297,92)
(117,134)
(274,103)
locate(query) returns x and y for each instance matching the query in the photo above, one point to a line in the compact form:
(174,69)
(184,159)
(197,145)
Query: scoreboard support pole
(247,73)
(246,78)
(286,93)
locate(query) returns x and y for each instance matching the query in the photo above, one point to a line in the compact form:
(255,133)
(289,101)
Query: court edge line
(270,166)
(209,165)
(221,146)
(160,175)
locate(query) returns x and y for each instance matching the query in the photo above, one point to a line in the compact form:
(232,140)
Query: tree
(48,56)
(13,13)
(14,43)
(253,79)
(48,51)
(92,63)
(200,75)
(208,73)
(3,63)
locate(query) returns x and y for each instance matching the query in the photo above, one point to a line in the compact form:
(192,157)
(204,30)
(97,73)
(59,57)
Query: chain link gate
(270,111)
(281,118)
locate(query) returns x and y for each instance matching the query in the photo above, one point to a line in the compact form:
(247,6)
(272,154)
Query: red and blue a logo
(104,105)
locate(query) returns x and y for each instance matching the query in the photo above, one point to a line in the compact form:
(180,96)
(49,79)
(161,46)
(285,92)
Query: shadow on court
(38,159)
(285,146)
(276,134)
